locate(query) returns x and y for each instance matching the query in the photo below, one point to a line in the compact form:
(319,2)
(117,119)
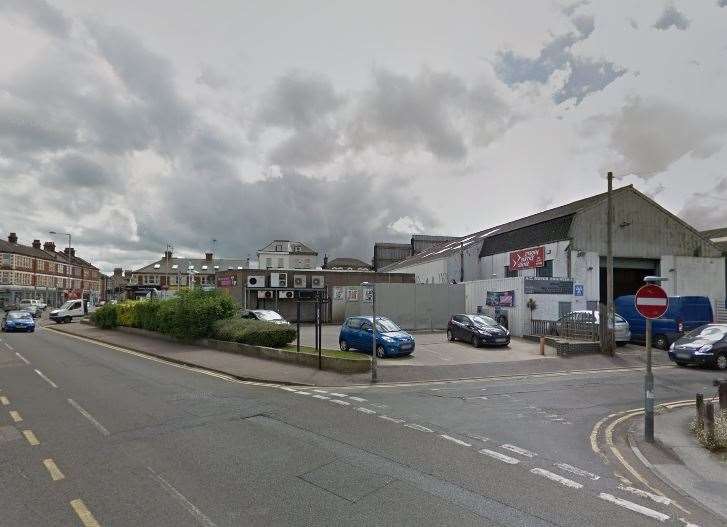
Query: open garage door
(628,275)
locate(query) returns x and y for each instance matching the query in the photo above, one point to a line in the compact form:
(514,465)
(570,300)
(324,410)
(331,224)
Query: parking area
(433,349)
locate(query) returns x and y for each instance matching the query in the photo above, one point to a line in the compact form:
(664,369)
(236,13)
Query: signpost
(651,302)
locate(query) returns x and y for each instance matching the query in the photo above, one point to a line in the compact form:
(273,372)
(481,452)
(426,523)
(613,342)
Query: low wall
(336,364)
(564,347)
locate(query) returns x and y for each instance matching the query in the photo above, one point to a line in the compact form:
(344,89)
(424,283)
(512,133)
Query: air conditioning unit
(299,281)
(317,281)
(266,294)
(256,281)
(278,279)
(286,294)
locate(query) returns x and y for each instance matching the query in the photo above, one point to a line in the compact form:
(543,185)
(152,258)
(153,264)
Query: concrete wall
(431,272)
(495,264)
(585,271)
(694,276)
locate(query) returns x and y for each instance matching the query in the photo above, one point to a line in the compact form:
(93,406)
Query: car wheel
(67,320)
(475,341)
(681,364)
(380,353)
(660,341)
(450,336)
(721,361)
(343,345)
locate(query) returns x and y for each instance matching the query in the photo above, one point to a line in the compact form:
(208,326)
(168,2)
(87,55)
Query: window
(354,323)
(7,259)
(268,263)
(278,248)
(509,273)
(280,263)
(307,262)
(546,270)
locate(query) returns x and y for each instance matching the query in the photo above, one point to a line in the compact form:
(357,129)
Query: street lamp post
(69,252)
(374,358)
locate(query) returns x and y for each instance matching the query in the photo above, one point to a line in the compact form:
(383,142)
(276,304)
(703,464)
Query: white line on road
(322,397)
(320,391)
(499,457)
(46,379)
(8,346)
(26,361)
(555,477)
(303,393)
(518,450)
(365,410)
(288,389)
(454,440)
(101,428)
(357,399)
(421,428)
(334,394)
(191,507)
(634,507)
(392,419)
(577,471)
(342,403)
(644,494)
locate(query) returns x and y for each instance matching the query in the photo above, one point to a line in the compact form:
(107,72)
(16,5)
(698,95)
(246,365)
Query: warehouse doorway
(628,275)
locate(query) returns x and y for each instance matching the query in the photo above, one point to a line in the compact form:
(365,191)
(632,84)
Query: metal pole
(461,262)
(609,269)
(648,390)
(374,361)
(297,326)
(320,330)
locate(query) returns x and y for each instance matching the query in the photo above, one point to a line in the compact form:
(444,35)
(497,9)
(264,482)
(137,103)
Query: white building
(286,254)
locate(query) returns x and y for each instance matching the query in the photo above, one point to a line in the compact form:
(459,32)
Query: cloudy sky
(136,124)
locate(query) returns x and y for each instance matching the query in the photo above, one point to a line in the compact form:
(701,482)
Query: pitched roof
(166,266)
(568,210)
(717,237)
(288,247)
(545,232)
(347,263)
(25,250)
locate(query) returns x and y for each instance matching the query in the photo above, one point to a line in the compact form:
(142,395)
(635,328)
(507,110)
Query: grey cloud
(307,147)
(583,75)
(648,136)
(671,17)
(706,210)
(45,16)
(208,76)
(722,3)
(569,9)
(77,171)
(634,24)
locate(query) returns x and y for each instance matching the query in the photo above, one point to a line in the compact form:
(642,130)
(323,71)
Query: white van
(27,302)
(70,310)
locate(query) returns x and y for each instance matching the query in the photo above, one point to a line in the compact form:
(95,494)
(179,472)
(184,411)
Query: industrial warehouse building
(557,258)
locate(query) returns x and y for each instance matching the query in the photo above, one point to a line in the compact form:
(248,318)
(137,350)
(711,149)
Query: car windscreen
(482,320)
(18,315)
(713,333)
(385,325)
(67,305)
(268,315)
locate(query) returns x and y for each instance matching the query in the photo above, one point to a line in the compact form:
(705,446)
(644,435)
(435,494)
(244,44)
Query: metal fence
(576,326)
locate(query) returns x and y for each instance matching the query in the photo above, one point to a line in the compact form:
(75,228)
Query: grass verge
(330,353)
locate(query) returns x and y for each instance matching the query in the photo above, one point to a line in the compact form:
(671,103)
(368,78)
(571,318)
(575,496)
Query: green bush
(147,314)
(127,313)
(166,315)
(105,317)
(197,311)
(255,332)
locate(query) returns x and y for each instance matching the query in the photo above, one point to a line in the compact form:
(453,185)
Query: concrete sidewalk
(679,460)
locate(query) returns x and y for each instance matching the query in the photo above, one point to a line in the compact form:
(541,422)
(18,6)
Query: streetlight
(374,361)
(649,377)
(69,251)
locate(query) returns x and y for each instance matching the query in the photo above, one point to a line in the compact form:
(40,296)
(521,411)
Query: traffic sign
(651,301)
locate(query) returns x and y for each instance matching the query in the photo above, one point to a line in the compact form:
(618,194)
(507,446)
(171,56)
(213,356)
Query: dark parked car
(477,329)
(18,321)
(706,346)
(266,315)
(391,340)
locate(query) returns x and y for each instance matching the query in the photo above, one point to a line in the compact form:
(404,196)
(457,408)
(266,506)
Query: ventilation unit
(256,281)
(317,281)
(299,281)
(286,294)
(278,279)
(266,294)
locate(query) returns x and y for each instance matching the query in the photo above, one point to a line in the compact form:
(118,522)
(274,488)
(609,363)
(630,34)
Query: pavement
(92,434)
(682,462)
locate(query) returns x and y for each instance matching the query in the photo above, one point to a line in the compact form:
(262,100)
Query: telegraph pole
(609,270)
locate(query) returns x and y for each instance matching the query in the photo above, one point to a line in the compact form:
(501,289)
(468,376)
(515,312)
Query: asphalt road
(92,435)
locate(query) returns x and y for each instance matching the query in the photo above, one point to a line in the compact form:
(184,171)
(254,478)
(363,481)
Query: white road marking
(322,397)
(320,391)
(101,428)
(338,394)
(644,494)
(26,361)
(454,440)
(8,346)
(357,399)
(688,524)
(303,393)
(421,428)
(641,457)
(557,478)
(191,507)
(499,457)
(634,507)
(577,471)
(518,450)
(392,419)
(481,438)
(365,410)
(46,379)
(288,389)
(342,403)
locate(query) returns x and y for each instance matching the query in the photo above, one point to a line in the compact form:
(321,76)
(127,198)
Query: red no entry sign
(651,301)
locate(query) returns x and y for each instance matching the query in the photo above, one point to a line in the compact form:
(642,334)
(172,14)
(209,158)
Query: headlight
(704,350)
(671,348)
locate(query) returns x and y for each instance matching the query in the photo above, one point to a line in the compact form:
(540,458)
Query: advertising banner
(548,286)
(500,298)
(527,258)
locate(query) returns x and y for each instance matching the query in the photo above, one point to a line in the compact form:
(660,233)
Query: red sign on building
(527,258)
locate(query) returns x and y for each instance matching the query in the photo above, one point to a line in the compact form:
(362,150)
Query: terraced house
(39,271)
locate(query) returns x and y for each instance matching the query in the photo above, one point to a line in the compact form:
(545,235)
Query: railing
(577,329)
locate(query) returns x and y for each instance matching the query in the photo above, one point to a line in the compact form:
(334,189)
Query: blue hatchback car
(18,321)
(391,341)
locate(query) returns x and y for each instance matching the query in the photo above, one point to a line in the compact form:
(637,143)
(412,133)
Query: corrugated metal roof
(545,232)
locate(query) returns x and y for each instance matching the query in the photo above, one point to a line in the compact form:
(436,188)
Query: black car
(706,346)
(477,329)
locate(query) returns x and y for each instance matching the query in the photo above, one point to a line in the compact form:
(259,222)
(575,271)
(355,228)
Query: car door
(458,326)
(352,332)
(365,336)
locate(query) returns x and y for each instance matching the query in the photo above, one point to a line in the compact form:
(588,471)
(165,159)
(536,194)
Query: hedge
(106,317)
(254,332)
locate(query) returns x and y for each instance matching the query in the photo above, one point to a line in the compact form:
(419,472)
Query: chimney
(13,238)
(49,247)
(70,250)
(36,244)
(118,271)
(208,257)
(167,255)
(325,261)
(127,273)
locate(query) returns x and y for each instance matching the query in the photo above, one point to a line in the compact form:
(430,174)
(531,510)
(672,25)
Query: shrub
(719,440)
(105,317)
(146,316)
(197,311)
(127,313)
(166,315)
(255,332)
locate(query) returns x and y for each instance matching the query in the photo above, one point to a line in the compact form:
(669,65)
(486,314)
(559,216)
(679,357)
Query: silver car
(584,321)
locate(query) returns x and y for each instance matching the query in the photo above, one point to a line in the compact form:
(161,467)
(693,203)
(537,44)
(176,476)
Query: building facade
(286,254)
(386,253)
